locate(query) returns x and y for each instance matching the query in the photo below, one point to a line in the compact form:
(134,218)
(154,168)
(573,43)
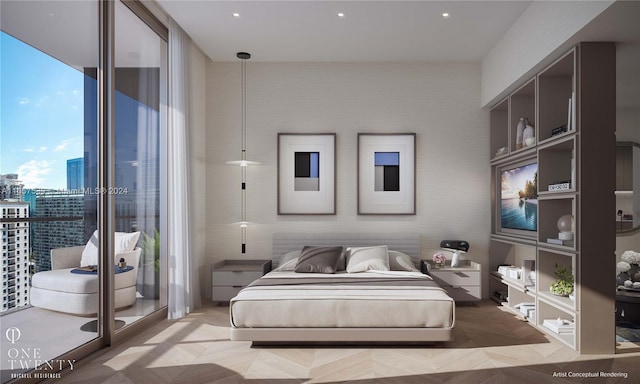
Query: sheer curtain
(182,264)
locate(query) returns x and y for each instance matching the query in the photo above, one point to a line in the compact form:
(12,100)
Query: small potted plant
(564,285)
(151,264)
(439,259)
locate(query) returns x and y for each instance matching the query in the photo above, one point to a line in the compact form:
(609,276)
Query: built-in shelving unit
(513,291)
(550,209)
(571,104)
(522,104)
(499,129)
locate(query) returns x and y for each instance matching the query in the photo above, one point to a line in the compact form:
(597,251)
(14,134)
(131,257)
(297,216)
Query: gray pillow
(342,262)
(318,259)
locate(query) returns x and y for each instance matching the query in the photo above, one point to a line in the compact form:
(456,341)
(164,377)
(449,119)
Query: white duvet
(330,306)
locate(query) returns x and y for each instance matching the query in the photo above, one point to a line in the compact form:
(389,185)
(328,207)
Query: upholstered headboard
(408,243)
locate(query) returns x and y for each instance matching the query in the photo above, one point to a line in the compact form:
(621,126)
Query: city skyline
(42,119)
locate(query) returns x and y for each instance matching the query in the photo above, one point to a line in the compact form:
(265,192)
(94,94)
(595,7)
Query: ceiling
(370,31)
(311,31)
(67,31)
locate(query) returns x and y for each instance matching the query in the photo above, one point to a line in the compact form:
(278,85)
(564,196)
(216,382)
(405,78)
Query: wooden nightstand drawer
(228,277)
(456,277)
(462,283)
(235,277)
(463,293)
(224,293)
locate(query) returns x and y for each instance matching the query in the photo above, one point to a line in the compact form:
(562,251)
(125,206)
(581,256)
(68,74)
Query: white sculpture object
(519,130)
(565,226)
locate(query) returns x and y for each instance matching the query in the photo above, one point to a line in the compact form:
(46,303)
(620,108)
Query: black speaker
(457,245)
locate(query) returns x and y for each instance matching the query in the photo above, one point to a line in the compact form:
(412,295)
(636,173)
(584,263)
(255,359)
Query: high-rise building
(75,174)
(65,209)
(15,255)
(10,187)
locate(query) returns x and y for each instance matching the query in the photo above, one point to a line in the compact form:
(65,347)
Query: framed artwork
(306,174)
(386,174)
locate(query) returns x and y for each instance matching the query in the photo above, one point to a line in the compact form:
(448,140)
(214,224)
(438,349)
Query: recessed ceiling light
(235,14)
(341,15)
(446,15)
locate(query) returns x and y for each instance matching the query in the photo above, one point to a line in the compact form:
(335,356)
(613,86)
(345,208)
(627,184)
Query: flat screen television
(518,203)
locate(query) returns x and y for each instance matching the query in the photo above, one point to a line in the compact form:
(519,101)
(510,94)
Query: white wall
(542,29)
(438,101)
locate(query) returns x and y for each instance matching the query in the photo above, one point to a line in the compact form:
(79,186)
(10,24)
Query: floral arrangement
(628,270)
(439,259)
(631,257)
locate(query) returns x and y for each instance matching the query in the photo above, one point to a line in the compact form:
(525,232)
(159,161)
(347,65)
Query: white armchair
(63,291)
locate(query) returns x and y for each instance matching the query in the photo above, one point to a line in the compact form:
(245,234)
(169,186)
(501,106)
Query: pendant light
(243,163)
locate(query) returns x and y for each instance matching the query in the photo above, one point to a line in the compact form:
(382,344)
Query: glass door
(140,142)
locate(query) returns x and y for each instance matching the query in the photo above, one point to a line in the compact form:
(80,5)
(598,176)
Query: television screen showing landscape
(519,205)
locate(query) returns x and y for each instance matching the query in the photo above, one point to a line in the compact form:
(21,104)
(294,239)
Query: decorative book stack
(568,243)
(559,326)
(560,186)
(559,130)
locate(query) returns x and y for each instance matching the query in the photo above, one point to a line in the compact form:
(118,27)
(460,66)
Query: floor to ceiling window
(44,48)
(140,132)
(49,170)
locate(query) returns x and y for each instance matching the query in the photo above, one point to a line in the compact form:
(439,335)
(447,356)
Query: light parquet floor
(490,346)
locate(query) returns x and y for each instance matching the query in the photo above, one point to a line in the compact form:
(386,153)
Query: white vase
(519,130)
(528,135)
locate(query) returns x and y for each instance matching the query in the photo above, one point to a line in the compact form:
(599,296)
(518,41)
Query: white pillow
(399,261)
(288,266)
(123,242)
(288,261)
(362,259)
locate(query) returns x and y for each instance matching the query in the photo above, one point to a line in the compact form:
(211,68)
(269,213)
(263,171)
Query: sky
(515,179)
(41,115)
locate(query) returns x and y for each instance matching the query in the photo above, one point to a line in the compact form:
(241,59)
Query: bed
(364,304)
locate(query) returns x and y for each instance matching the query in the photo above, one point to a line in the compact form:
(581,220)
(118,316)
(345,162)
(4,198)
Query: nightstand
(461,282)
(228,277)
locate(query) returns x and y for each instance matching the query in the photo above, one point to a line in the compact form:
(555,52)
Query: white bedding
(340,305)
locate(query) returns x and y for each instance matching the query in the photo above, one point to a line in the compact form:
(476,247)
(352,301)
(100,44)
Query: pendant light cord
(243,164)
(244,109)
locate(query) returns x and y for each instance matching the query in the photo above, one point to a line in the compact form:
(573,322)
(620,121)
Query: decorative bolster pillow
(362,259)
(316,259)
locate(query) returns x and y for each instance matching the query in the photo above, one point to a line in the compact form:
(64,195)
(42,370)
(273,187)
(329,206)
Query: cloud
(23,100)
(42,100)
(32,172)
(64,144)
(39,149)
